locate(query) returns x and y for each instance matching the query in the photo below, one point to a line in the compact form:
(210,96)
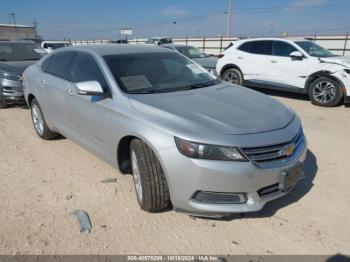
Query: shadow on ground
(301,189)
(297,96)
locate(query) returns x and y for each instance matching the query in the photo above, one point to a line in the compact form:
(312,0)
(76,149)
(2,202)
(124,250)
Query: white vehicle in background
(159,41)
(49,46)
(295,65)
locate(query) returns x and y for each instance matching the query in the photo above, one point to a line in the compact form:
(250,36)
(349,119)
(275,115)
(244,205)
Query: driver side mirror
(296,55)
(89,88)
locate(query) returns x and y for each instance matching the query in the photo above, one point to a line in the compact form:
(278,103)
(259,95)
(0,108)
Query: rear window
(263,47)
(20,52)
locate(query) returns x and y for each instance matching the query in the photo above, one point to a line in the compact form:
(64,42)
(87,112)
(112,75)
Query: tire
(39,122)
(233,76)
(326,92)
(3,104)
(150,182)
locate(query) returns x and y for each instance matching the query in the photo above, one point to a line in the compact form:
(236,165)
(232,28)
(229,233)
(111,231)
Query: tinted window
(257,47)
(45,65)
(59,64)
(85,68)
(280,48)
(314,50)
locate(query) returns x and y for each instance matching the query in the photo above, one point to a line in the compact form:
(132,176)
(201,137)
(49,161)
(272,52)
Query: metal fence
(339,45)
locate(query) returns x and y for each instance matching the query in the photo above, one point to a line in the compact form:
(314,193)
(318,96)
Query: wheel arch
(30,99)
(323,73)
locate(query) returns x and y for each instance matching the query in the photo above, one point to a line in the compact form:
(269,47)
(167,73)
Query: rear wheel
(326,92)
(233,76)
(39,123)
(150,183)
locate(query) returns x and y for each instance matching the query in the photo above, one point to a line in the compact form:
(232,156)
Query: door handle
(240,58)
(273,61)
(70,91)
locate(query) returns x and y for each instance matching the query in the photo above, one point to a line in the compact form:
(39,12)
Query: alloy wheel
(38,119)
(136,175)
(324,92)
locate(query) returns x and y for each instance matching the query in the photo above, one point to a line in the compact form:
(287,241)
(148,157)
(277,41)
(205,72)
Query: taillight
(220,56)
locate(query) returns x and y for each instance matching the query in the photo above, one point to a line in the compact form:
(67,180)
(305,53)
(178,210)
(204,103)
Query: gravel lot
(42,182)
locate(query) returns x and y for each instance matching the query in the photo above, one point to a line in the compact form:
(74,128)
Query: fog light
(220,198)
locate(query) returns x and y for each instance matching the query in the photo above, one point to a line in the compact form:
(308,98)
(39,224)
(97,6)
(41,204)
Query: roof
(174,45)
(293,39)
(112,49)
(13,25)
(17,41)
(55,42)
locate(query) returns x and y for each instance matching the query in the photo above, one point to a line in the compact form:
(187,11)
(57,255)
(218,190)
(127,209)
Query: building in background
(17,32)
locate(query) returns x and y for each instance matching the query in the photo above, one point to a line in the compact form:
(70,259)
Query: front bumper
(188,176)
(11,91)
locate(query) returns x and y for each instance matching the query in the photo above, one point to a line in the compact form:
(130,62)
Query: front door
(284,71)
(88,116)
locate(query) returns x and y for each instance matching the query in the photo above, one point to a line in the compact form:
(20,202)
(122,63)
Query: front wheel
(233,76)
(325,92)
(39,123)
(3,103)
(150,183)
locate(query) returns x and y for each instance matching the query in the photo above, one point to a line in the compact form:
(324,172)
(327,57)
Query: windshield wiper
(200,85)
(144,92)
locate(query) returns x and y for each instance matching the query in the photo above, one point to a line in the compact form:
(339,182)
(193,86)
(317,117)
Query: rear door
(252,58)
(54,87)
(89,116)
(284,71)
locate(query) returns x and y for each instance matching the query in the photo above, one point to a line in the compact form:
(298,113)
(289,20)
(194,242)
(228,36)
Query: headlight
(210,152)
(347,71)
(11,76)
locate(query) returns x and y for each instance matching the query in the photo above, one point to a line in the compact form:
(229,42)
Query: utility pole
(35,24)
(13,15)
(229,14)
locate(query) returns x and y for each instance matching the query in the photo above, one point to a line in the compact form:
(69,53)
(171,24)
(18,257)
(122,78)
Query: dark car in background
(205,60)
(15,57)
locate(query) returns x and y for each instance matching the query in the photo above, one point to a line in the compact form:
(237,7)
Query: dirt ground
(42,182)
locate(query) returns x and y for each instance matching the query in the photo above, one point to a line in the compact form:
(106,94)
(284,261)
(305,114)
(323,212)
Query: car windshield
(314,50)
(191,52)
(157,73)
(20,52)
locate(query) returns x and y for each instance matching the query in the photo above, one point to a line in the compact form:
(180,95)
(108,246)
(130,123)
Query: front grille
(219,198)
(275,152)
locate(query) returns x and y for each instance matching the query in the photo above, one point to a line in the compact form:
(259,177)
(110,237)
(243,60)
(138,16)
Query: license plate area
(290,177)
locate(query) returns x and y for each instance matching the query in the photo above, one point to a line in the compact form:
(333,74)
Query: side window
(280,48)
(45,65)
(60,64)
(85,68)
(257,47)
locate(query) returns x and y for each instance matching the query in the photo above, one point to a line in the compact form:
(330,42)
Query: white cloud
(174,11)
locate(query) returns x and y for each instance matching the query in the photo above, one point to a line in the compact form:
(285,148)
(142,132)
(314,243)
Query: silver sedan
(191,141)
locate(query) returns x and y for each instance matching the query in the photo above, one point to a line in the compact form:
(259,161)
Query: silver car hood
(223,109)
(208,62)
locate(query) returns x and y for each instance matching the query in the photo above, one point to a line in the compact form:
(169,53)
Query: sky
(103,19)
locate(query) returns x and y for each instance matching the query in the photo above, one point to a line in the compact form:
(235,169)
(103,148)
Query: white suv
(296,65)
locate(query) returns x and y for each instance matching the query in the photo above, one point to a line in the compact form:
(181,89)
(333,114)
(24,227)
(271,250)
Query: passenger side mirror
(89,88)
(296,55)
